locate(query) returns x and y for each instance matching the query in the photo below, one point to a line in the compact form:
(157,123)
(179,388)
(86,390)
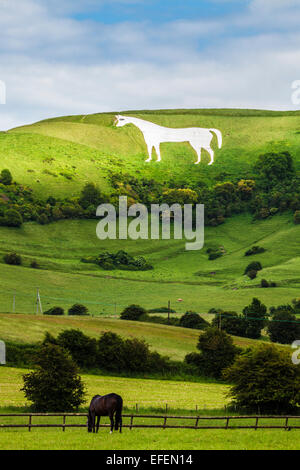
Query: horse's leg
(197,150)
(157,149)
(149,146)
(93,420)
(98,422)
(111,416)
(211,153)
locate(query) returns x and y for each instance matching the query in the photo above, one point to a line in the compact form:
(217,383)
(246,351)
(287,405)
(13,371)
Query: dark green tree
(54,386)
(264,380)
(255,314)
(6,177)
(283,327)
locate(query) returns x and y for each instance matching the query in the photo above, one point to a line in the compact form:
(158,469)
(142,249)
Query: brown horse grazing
(106,405)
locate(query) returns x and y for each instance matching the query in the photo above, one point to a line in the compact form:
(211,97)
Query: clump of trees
(119,260)
(264,380)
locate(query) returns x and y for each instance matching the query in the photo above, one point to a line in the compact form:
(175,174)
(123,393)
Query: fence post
(29,424)
(165,422)
(131,422)
(256,423)
(64,423)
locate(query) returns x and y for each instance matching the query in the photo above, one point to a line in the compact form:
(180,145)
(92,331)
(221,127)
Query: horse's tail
(219,136)
(118,418)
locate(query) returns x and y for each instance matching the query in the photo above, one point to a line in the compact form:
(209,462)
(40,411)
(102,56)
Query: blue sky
(160,11)
(60,57)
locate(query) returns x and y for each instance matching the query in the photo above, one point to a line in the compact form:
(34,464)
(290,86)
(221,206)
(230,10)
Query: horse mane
(96,396)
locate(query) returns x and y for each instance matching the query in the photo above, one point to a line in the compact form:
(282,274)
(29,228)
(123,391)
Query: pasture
(211,398)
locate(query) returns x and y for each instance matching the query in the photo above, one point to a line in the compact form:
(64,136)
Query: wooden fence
(197,422)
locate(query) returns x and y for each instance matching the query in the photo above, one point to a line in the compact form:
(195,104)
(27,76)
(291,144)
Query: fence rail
(286,421)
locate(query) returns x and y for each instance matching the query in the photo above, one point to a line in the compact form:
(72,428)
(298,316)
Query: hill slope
(60,155)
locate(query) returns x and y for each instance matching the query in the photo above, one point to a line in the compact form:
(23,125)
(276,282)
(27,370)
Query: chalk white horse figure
(154,135)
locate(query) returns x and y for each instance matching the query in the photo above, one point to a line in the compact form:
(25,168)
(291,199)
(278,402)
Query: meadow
(151,397)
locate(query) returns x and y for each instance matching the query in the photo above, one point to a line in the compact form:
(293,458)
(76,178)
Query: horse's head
(120,120)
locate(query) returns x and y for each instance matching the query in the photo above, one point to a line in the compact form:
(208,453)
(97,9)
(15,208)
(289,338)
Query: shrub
(255,250)
(34,264)
(13,259)
(6,177)
(12,218)
(297,217)
(161,310)
(264,283)
(78,309)
(110,352)
(252,274)
(82,348)
(90,195)
(55,385)
(264,380)
(193,320)
(55,311)
(254,266)
(133,312)
(283,328)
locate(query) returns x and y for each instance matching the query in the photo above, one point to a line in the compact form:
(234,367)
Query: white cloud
(55,65)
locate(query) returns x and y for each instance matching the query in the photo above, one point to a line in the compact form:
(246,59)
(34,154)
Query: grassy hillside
(202,284)
(58,156)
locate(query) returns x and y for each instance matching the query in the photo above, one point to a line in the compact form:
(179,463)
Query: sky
(63,57)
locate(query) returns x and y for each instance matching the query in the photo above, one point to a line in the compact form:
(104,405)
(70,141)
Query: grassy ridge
(90,148)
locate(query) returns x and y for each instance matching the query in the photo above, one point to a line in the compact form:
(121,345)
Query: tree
(90,196)
(55,385)
(273,168)
(78,309)
(55,311)
(13,259)
(217,352)
(82,348)
(6,177)
(283,328)
(133,312)
(230,322)
(193,320)
(255,318)
(264,379)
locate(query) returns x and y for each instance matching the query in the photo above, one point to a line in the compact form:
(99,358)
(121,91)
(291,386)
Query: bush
(264,380)
(55,311)
(133,312)
(12,218)
(34,264)
(264,283)
(255,250)
(283,328)
(20,355)
(82,348)
(297,217)
(78,309)
(193,320)
(13,259)
(252,274)
(254,266)
(6,177)
(55,385)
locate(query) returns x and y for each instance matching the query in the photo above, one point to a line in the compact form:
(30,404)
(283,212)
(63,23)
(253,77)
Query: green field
(181,398)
